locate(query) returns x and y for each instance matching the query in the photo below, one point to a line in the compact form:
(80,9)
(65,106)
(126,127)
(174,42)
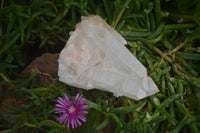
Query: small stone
(45,67)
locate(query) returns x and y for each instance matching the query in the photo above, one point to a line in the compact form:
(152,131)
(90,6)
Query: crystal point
(95,57)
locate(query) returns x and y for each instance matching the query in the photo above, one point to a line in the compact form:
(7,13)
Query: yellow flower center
(71,109)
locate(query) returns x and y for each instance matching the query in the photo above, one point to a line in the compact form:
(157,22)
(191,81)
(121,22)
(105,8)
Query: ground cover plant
(163,34)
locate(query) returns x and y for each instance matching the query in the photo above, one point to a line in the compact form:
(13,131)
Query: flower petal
(61,100)
(72,123)
(83,118)
(82,101)
(65,120)
(75,122)
(58,105)
(68,123)
(59,110)
(83,112)
(80,97)
(61,119)
(66,97)
(84,107)
(77,96)
(79,122)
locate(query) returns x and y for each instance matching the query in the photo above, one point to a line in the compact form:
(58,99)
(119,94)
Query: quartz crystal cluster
(95,57)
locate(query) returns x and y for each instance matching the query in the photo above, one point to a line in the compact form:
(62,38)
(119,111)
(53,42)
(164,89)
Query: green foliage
(163,35)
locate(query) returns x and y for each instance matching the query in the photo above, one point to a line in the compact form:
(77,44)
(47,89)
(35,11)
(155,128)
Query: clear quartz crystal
(95,57)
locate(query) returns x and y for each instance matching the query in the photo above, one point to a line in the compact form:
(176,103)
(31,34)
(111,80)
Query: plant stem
(121,12)
(178,47)
(182,69)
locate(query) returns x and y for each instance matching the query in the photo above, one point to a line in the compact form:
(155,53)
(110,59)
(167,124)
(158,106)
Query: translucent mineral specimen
(95,57)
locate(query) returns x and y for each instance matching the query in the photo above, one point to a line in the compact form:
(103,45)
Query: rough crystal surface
(95,57)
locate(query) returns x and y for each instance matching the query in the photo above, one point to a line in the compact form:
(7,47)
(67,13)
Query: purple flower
(71,111)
